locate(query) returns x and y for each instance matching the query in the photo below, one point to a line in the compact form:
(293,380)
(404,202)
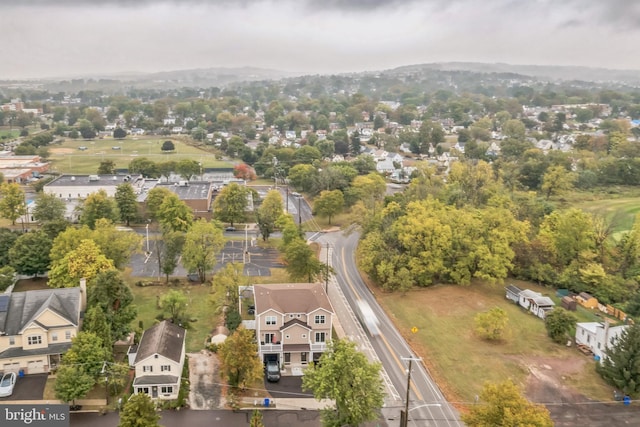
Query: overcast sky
(50,38)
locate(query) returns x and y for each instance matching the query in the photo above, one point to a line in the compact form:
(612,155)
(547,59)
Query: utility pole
(404,415)
(326,276)
(299,214)
(287,203)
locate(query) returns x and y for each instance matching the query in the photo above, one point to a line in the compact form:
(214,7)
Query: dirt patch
(60,150)
(205,389)
(548,379)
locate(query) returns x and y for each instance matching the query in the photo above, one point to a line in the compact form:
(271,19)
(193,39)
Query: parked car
(116,147)
(230,229)
(251,309)
(7,382)
(82,148)
(273,371)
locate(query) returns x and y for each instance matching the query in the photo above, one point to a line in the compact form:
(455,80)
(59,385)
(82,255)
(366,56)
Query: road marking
(384,340)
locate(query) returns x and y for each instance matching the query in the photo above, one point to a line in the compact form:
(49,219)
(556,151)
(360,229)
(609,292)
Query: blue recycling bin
(626,400)
(21,373)
(266,403)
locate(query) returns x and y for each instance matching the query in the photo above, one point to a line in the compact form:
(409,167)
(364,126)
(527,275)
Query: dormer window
(320,319)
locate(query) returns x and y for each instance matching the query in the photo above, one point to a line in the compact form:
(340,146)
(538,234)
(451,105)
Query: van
(273,371)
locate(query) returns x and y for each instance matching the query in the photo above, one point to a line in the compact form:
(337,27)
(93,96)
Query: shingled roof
(291,298)
(165,339)
(24,307)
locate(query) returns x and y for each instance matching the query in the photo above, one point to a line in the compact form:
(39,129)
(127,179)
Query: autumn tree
(29,254)
(231,203)
(621,365)
(126,200)
(202,244)
(268,213)
(244,171)
(174,214)
(86,261)
(49,208)
(503,405)
(12,202)
(557,180)
(99,205)
(114,297)
(240,363)
(492,324)
(329,203)
(358,396)
(139,411)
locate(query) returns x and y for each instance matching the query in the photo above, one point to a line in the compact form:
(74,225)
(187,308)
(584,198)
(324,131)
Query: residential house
(36,327)
(513,293)
(535,302)
(598,336)
(385,166)
(293,322)
(159,360)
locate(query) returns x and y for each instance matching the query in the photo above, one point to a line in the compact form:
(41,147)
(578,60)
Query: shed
(513,293)
(586,300)
(568,303)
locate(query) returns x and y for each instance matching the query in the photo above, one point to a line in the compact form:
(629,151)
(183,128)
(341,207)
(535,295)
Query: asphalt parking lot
(287,387)
(29,387)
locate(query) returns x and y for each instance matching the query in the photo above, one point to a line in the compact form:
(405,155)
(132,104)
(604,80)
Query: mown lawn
(460,361)
(68,158)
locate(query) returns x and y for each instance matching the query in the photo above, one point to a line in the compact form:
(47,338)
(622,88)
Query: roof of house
(165,339)
(23,308)
(291,298)
(93,180)
(294,322)
(543,301)
(513,289)
(585,295)
(528,293)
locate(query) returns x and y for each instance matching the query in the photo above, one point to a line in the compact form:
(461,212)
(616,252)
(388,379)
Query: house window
(34,339)
(54,336)
(165,368)
(12,340)
(67,335)
(598,345)
(320,336)
(270,320)
(303,335)
(588,338)
(147,368)
(144,390)
(270,338)
(303,357)
(166,389)
(286,337)
(319,319)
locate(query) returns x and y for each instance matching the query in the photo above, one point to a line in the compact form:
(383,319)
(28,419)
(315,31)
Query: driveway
(29,387)
(205,388)
(287,387)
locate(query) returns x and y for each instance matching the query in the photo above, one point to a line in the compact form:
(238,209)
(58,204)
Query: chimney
(83,294)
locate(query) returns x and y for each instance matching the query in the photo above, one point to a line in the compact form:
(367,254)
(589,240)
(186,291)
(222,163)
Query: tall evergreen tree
(621,366)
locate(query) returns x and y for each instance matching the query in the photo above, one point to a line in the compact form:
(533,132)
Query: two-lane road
(427,405)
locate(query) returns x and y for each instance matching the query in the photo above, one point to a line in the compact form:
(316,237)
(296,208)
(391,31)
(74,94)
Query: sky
(74,38)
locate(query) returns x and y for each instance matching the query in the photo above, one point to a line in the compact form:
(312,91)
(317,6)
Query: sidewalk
(287,403)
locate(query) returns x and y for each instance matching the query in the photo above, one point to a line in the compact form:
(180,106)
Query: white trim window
(147,368)
(165,368)
(320,337)
(320,319)
(166,389)
(34,340)
(270,320)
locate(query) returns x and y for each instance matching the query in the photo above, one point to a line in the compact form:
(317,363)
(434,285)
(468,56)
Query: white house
(159,360)
(598,336)
(535,302)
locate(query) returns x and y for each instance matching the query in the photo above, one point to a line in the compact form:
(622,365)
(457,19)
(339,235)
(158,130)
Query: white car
(7,382)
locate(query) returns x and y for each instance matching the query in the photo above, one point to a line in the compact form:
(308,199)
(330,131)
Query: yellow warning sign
(414,329)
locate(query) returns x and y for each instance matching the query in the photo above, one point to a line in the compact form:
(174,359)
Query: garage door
(11,367)
(35,367)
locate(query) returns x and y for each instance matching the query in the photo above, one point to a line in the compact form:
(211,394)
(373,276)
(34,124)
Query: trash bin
(21,373)
(266,403)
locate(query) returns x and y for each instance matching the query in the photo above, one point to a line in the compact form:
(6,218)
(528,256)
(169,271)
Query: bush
(168,146)
(492,324)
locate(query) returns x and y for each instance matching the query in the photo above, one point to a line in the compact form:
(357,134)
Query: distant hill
(550,72)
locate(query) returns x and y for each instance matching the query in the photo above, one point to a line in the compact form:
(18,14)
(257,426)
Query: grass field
(459,360)
(9,134)
(68,158)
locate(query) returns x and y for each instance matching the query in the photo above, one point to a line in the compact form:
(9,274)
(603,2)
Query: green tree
(202,243)
(174,214)
(492,324)
(231,204)
(559,323)
(301,262)
(115,298)
(7,275)
(95,321)
(49,208)
(240,363)
(145,167)
(303,177)
(86,261)
(88,350)
(503,405)
(116,245)
(107,167)
(30,253)
(173,306)
(168,250)
(621,365)
(126,200)
(268,213)
(225,286)
(139,411)
(12,202)
(329,203)
(168,146)
(99,205)
(187,168)
(7,239)
(256,419)
(155,197)
(72,383)
(165,169)
(358,396)
(557,180)
(119,133)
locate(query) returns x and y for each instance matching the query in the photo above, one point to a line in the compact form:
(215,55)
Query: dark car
(230,229)
(251,309)
(273,371)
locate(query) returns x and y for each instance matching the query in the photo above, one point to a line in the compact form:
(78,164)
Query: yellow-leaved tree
(86,261)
